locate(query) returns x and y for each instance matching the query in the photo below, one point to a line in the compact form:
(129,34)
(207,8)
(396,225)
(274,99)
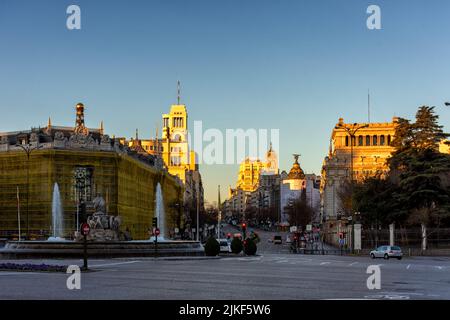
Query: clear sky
(290,64)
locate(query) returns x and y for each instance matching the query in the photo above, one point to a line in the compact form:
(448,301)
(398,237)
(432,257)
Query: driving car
(387,252)
(277,240)
(224,245)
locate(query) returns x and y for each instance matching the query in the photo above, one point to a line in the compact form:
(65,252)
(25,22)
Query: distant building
(292,186)
(444,146)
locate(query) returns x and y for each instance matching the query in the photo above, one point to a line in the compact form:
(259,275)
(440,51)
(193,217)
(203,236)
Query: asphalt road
(268,276)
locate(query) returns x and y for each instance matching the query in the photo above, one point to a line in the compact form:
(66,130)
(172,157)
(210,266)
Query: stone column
(357,237)
(424,237)
(391,234)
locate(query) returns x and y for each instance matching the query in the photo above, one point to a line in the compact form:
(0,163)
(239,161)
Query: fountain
(57,216)
(103,238)
(160,214)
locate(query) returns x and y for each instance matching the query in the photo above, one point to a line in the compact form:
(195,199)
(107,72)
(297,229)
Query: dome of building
(296,171)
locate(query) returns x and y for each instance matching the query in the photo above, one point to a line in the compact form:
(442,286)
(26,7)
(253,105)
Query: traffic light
(155,222)
(341,235)
(244,227)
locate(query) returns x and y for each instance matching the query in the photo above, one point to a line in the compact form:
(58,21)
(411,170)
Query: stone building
(257,186)
(365,158)
(84,162)
(293,184)
(173,147)
(357,151)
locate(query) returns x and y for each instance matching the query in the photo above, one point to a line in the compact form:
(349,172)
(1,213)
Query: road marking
(409,266)
(3,273)
(114,264)
(281,261)
(439,267)
(352,264)
(324,263)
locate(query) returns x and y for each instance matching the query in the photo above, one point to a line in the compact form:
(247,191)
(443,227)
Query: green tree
(212,247)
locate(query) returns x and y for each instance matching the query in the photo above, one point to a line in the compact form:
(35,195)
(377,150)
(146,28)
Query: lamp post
(352,133)
(28,148)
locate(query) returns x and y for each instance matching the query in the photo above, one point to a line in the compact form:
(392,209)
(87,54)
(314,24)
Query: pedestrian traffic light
(244,226)
(155,222)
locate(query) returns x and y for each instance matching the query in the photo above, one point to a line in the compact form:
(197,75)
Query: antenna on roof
(178,91)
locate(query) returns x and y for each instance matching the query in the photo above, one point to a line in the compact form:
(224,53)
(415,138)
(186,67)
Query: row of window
(151,148)
(369,140)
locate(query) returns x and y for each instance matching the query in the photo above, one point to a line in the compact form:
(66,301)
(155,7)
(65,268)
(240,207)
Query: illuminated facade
(371,148)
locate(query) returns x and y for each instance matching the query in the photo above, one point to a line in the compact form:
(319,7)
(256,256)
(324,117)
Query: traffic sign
(85,229)
(157,232)
(293,229)
(308,227)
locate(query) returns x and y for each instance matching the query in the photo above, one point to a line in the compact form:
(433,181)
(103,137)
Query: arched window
(367,140)
(360,140)
(346,141)
(382,142)
(375,140)
(389,140)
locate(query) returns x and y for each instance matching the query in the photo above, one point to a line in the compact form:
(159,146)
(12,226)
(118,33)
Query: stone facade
(84,163)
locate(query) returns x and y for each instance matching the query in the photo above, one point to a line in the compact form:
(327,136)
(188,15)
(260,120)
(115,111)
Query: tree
(419,170)
(300,213)
(212,247)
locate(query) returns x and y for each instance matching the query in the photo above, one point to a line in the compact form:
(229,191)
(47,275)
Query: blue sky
(290,64)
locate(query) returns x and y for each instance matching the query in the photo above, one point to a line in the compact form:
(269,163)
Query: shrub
(250,247)
(212,247)
(236,245)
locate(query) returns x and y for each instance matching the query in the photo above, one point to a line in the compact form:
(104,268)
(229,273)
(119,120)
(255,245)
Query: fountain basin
(110,249)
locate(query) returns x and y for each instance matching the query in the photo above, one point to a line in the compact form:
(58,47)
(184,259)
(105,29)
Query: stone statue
(105,139)
(34,137)
(103,226)
(59,136)
(4,140)
(99,205)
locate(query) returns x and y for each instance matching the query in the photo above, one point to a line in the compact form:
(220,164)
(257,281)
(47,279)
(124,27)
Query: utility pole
(18,213)
(28,148)
(219,214)
(198,212)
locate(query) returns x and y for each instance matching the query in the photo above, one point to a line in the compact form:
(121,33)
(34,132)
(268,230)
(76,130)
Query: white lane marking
(324,263)
(114,264)
(352,264)
(281,261)
(3,273)
(409,266)
(439,267)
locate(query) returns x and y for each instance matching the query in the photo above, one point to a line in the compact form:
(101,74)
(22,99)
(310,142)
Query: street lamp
(28,148)
(352,133)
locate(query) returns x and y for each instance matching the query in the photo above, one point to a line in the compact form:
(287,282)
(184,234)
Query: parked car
(387,252)
(224,246)
(277,240)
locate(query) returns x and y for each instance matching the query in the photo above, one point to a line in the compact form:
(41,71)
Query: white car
(224,246)
(387,252)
